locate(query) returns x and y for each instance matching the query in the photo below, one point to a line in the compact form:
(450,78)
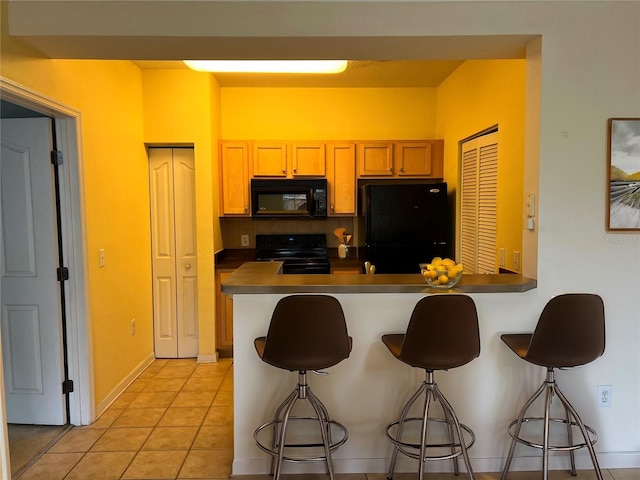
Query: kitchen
(331,115)
(567,101)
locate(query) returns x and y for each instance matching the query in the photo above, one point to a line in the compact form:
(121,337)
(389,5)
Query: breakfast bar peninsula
(366,391)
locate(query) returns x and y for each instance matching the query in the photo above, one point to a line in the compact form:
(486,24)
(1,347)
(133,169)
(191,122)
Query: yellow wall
(109,95)
(478,95)
(179,108)
(328,113)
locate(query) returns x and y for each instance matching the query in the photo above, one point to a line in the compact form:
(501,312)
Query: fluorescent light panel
(268,66)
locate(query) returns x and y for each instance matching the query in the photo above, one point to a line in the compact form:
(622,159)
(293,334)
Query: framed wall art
(623,212)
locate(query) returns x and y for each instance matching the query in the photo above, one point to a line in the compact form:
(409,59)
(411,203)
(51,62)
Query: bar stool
(306,333)
(569,333)
(442,334)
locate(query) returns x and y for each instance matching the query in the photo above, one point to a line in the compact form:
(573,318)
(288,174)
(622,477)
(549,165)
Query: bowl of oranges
(441,272)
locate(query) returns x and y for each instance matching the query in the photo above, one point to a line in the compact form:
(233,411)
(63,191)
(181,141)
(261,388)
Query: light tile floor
(176,422)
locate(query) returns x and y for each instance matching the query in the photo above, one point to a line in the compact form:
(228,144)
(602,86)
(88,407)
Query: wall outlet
(516,261)
(605,393)
(132,326)
(503,257)
(244,240)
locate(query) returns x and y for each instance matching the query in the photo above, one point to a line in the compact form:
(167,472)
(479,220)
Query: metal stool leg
(512,448)
(572,457)
(276,445)
(325,430)
(423,430)
(277,426)
(551,388)
(403,415)
(454,429)
(545,433)
(583,431)
(450,426)
(283,433)
(465,454)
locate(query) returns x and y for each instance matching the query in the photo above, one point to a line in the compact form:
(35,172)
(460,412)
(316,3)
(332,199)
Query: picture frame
(623,174)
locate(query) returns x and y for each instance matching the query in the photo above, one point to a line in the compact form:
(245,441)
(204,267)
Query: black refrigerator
(404,225)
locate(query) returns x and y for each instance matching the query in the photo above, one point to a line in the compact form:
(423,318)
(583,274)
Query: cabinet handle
(246,209)
(294,170)
(401,169)
(284,171)
(187,266)
(333,207)
(390,169)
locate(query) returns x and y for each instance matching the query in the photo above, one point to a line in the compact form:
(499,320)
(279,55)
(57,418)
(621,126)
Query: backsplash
(233,228)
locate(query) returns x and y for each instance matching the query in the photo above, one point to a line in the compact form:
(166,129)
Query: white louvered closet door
(478,192)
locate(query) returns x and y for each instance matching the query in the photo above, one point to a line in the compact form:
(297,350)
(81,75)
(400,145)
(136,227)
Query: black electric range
(300,253)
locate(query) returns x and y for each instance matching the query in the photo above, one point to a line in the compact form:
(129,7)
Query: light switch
(101,257)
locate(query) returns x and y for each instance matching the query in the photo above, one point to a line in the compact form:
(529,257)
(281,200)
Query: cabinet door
(419,159)
(224,320)
(308,159)
(234,179)
(375,159)
(341,177)
(269,159)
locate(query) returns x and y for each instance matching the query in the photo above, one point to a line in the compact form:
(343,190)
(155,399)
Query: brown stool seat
(306,333)
(569,333)
(442,334)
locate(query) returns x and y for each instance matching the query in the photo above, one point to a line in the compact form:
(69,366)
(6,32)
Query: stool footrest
(403,446)
(336,429)
(562,448)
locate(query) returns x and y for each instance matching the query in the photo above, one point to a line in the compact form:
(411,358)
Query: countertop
(266,277)
(233,259)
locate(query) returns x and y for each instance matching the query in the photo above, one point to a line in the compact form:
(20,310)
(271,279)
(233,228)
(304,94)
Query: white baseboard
(208,358)
(122,386)
(606,460)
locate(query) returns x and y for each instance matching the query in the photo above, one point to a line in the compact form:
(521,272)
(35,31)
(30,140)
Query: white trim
(207,358)
(404,465)
(79,342)
(123,384)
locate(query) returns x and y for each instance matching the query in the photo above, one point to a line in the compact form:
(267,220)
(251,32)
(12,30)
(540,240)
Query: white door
(479,208)
(173,239)
(31,317)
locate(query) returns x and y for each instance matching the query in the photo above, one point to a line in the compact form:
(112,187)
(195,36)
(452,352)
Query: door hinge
(56,157)
(63,274)
(67,387)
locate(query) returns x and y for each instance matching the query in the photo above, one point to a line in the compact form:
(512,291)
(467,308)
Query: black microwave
(288,198)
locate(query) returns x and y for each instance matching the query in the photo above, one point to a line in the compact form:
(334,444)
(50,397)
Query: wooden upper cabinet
(308,159)
(375,159)
(341,178)
(424,158)
(234,178)
(419,159)
(269,159)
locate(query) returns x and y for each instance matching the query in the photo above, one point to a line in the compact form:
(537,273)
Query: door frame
(73,230)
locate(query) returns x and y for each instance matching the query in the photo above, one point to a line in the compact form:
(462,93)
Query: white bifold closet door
(173,249)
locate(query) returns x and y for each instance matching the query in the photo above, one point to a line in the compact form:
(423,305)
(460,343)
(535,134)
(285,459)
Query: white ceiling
(360,74)
(391,44)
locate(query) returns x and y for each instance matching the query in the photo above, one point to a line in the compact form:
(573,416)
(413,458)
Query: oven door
(315,266)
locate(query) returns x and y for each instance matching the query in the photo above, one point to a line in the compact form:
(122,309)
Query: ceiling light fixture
(268,66)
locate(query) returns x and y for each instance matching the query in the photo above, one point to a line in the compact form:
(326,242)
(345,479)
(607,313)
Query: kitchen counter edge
(267,277)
